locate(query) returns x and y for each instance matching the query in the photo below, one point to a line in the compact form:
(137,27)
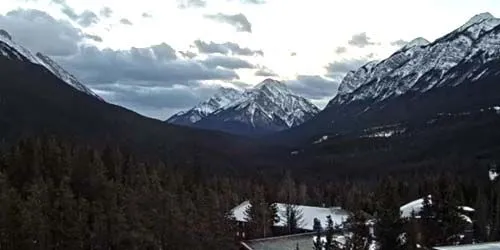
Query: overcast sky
(161,56)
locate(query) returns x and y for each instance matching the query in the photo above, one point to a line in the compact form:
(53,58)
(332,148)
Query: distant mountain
(39,98)
(13,51)
(223,97)
(457,73)
(421,66)
(268,107)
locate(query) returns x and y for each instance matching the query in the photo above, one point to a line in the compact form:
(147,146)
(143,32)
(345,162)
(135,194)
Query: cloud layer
(238,21)
(225,48)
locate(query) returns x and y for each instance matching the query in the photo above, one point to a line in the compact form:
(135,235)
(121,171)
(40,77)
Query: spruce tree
(293,218)
(318,229)
(356,226)
(389,224)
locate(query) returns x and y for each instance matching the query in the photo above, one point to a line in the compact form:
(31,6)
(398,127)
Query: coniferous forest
(58,195)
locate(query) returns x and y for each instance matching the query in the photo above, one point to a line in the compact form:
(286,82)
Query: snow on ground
(308,214)
(322,139)
(417,205)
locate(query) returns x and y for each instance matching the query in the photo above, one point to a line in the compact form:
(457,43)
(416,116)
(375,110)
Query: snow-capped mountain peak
(419,41)
(421,66)
(476,19)
(268,106)
(14,51)
(353,78)
(223,97)
(270,83)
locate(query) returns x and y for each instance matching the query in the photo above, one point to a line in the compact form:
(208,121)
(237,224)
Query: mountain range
(455,74)
(268,107)
(427,102)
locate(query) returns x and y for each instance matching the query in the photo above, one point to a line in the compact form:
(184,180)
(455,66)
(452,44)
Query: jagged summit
(223,96)
(355,77)
(269,82)
(420,66)
(476,19)
(268,106)
(13,51)
(419,41)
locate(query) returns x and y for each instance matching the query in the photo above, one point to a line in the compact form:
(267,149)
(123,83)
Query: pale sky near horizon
(289,40)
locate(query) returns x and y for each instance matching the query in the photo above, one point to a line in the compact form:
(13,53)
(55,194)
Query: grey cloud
(95,38)
(188,54)
(125,21)
(40,32)
(341,50)
(313,86)
(106,12)
(239,21)
(183,4)
(226,62)
(146,15)
(266,72)
(163,51)
(152,96)
(399,43)
(85,19)
(241,85)
(225,48)
(155,101)
(154,65)
(70,13)
(360,40)
(344,66)
(88,18)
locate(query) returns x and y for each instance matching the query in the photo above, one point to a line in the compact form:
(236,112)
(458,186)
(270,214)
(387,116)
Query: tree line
(55,194)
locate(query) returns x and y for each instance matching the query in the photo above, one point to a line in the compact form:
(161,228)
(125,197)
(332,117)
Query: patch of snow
(492,174)
(480,75)
(466,208)
(416,207)
(419,41)
(309,213)
(322,139)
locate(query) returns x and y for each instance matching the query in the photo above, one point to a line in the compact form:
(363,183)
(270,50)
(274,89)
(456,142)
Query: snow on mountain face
(222,98)
(420,66)
(269,106)
(13,51)
(419,41)
(276,102)
(65,76)
(352,80)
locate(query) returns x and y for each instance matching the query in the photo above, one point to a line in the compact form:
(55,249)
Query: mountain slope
(223,97)
(35,102)
(13,51)
(423,63)
(452,75)
(269,107)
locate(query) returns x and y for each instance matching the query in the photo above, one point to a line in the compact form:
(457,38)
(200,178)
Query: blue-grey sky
(161,56)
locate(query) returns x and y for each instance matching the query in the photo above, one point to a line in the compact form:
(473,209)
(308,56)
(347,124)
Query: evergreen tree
(261,215)
(389,225)
(318,229)
(356,226)
(293,218)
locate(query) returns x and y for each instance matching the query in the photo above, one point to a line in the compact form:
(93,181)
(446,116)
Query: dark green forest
(55,194)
